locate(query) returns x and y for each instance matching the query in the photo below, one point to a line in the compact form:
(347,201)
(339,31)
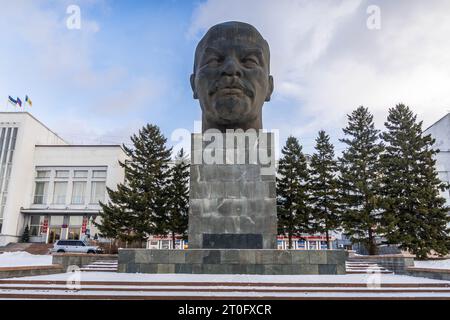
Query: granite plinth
(232,261)
(232,200)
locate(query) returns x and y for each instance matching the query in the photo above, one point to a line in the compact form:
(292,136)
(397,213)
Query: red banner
(84,225)
(44,226)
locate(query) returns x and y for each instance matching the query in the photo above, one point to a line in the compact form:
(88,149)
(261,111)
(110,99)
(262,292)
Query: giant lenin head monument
(231,77)
(232,213)
(232,204)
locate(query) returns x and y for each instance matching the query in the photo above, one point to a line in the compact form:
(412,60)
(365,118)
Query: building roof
(61,145)
(35,119)
(447,115)
(80,146)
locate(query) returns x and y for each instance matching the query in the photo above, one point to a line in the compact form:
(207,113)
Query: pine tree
(292,197)
(324,187)
(25,235)
(134,210)
(177,213)
(359,179)
(414,214)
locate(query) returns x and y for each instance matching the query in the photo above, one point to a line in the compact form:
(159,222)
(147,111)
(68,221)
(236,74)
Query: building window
(7,145)
(59,193)
(40,192)
(313,245)
(56,220)
(74,233)
(78,192)
(301,244)
(62,173)
(75,221)
(98,191)
(35,225)
(43,174)
(99,174)
(80,174)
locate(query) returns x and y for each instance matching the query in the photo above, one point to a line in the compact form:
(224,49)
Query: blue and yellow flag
(27,100)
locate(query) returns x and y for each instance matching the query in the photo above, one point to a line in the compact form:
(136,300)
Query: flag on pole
(28,100)
(12,101)
(19,102)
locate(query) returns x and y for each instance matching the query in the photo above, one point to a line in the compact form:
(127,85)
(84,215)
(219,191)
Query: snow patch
(433,264)
(23,259)
(140,277)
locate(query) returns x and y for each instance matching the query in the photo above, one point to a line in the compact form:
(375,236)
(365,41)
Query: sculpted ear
(192,79)
(270,88)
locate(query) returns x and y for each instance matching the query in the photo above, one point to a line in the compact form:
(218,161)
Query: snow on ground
(137,294)
(22,258)
(141,277)
(433,264)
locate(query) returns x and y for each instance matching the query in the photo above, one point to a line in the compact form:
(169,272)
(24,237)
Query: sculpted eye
(213,61)
(250,61)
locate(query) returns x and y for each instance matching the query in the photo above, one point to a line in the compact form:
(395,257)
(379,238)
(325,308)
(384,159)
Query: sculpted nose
(231,68)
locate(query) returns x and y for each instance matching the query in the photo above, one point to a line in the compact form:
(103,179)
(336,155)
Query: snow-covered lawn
(22,258)
(433,264)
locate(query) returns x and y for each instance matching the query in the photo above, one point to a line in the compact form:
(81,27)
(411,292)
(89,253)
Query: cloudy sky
(129,63)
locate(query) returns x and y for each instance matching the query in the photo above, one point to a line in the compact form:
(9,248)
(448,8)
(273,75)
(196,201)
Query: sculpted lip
(230,91)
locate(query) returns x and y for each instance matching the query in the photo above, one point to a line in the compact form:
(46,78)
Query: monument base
(232,261)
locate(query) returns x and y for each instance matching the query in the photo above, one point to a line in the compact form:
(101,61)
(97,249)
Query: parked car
(77,246)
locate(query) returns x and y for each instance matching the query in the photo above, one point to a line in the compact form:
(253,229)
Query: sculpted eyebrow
(211,50)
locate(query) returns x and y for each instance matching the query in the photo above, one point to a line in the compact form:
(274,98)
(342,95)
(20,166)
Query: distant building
(440,131)
(307,242)
(50,185)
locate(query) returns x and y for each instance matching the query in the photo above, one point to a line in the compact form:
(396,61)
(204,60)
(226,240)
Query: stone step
(366,272)
(242,292)
(144,284)
(362,265)
(101,266)
(97,270)
(200,288)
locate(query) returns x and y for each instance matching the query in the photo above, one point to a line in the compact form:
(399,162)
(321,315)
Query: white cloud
(61,72)
(326,62)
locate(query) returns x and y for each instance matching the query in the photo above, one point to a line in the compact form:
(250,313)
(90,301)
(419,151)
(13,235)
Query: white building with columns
(50,185)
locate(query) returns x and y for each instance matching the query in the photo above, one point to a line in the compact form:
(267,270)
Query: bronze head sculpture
(231,77)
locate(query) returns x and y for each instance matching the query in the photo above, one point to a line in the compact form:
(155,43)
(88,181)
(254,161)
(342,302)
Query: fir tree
(135,209)
(25,235)
(178,206)
(324,188)
(292,197)
(414,213)
(359,179)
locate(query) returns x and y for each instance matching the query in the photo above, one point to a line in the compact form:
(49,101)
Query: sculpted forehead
(231,34)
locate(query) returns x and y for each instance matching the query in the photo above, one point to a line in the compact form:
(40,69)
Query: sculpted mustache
(244,87)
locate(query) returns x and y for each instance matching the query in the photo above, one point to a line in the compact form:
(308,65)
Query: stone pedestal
(232,261)
(233,200)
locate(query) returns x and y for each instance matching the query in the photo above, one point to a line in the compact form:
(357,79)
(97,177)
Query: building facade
(440,131)
(50,185)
